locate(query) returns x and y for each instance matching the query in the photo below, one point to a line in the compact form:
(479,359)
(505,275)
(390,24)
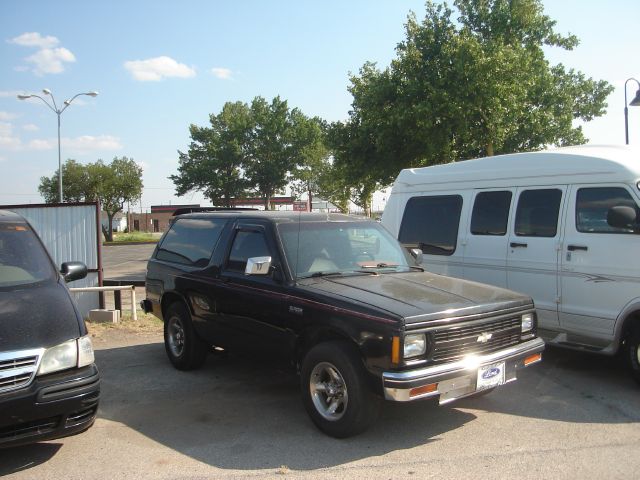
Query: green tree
(216,155)
(479,85)
(274,151)
(112,185)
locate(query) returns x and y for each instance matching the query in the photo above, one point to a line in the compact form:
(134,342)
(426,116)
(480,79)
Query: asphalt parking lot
(573,416)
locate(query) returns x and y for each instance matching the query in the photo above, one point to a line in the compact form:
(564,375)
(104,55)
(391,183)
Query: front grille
(83,416)
(17,369)
(456,341)
(28,429)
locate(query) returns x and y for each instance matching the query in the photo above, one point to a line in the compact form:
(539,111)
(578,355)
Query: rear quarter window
(190,241)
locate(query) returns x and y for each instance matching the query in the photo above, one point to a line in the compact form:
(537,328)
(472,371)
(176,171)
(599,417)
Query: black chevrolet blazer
(49,384)
(339,298)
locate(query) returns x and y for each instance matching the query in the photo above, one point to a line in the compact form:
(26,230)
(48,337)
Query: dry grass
(146,324)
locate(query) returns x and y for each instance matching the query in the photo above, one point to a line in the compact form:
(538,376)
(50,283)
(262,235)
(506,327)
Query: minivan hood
(419,296)
(38,316)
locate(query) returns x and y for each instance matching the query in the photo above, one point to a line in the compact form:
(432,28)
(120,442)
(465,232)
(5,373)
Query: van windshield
(23,260)
(324,248)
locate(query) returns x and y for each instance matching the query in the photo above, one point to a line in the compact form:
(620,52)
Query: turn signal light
(536,357)
(395,350)
(432,387)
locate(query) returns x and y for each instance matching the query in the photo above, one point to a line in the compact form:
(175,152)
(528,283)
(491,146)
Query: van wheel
(335,391)
(185,350)
(632,352)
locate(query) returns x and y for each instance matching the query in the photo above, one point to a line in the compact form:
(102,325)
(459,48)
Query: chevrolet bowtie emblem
(484,337)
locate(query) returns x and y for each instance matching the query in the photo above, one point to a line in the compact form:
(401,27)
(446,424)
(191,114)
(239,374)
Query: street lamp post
(58,112)
(634,103)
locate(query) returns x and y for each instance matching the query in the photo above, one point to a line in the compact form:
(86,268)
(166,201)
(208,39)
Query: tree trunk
(490,149)
(110,226)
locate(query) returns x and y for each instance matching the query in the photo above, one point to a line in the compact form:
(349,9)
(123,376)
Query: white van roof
(581,164)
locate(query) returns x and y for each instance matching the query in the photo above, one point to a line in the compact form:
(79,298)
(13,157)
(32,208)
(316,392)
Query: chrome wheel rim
(638,354)
(328,391)
(175,336)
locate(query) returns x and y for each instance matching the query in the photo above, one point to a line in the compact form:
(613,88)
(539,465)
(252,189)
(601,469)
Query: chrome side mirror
(258,266)
(416,253)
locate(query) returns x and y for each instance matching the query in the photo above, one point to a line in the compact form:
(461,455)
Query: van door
(533,251)
(486,238)
(599,273)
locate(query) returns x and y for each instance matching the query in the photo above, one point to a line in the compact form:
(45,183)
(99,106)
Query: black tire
(185,349)
(632,352)
(336,365)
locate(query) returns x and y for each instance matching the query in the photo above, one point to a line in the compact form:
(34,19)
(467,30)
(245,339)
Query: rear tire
(335,391)
(185,349)
(632,352)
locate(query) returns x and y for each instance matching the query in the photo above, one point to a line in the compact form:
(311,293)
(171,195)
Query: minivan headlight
(415,345)
(527,322)
(70,354)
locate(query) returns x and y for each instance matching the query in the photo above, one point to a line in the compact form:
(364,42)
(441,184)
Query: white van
(560,225)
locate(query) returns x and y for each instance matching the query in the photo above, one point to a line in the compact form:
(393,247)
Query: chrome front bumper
(457,379)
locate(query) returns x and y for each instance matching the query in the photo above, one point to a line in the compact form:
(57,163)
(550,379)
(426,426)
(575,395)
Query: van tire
(185,349)
(632,352)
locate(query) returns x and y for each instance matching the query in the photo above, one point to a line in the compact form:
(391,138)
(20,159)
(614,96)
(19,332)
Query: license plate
(490,376)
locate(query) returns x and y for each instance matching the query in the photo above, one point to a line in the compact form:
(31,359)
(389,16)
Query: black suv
(339,298)
(49,384)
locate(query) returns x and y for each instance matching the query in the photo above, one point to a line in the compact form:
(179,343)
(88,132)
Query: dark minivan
(49,383)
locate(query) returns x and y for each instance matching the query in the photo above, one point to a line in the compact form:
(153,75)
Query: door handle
(518,245)
(573,248)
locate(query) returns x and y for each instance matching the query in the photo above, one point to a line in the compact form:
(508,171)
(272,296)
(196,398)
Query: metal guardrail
(115,289)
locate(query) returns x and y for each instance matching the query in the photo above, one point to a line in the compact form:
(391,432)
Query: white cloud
(6,116)
(42,144)
(222,73)
(88,142)
(7,139)
(155,69)
(30,127)
(34,39)
(9,93)
(49,58)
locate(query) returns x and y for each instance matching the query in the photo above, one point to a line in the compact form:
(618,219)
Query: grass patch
(136,237)
(146,323)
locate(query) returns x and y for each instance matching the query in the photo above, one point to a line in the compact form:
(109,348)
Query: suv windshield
(23,260)
(316,248)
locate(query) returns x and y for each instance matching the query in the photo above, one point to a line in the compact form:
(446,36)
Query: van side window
(247,244)
(491,213)
(431,223)
(190,241)
(537,213)
(593,204)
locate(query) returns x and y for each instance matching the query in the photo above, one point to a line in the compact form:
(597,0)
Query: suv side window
(491,213)
(190,241)
(246,244)
(432,223)
(537,213)
(593,204)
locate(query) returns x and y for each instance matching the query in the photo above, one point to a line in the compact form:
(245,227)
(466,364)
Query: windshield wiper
(381,265)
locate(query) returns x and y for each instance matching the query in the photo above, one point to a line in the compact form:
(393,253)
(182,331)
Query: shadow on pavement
(17,459)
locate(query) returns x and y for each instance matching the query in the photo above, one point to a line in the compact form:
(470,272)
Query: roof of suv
(279,216)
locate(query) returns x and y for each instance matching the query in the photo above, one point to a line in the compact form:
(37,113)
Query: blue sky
(162,65)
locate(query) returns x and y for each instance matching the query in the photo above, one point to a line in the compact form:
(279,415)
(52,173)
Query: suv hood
(36,316)
(419,296)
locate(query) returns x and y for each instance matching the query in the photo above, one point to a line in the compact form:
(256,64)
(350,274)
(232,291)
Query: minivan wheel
(335,391)
(185,349)
(633,353)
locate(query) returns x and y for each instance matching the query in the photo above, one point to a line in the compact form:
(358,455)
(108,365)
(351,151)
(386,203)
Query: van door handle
(518,245)
(573,248)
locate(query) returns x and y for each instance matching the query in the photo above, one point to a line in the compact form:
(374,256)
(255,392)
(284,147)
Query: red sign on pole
(300,207)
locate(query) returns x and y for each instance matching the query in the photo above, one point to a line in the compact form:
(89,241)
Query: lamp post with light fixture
(634,103)
(58,112)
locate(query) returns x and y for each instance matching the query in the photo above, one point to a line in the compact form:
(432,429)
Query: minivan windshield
(327,248)
(23,260)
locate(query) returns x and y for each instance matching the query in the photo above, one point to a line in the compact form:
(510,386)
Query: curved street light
(634,103)
(58,112)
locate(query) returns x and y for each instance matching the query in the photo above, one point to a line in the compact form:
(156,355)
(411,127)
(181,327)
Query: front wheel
(185,350)
(632,352)
(335,391)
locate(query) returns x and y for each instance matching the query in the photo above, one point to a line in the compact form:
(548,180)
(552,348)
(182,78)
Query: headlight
(415,345)
(70,354)
(527,322)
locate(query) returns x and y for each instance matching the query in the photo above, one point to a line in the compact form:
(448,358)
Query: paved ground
(126,262)
(574,416)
